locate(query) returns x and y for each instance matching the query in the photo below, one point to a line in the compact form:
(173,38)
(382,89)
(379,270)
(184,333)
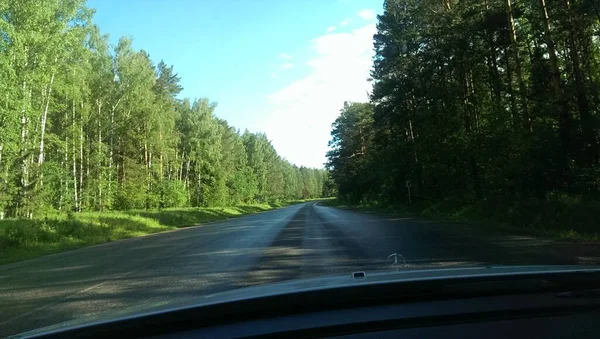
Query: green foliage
(87,128)
(468,106)
(171,194)
(349,155)
(486,108)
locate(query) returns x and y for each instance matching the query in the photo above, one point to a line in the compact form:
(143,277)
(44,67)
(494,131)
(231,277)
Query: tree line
(476,100)
(85,126)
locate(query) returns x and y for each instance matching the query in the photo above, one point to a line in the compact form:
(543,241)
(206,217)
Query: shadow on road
(299,242)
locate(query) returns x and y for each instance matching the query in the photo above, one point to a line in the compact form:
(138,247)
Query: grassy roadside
(26,239)
(559,218)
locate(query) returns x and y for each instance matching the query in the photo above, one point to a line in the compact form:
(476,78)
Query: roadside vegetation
(484,111)
(29,238)
(88,126)
(96,144)
(563,218)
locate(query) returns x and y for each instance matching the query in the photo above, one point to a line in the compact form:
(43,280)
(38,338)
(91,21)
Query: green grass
(25,239)
(182,217)
(560,216)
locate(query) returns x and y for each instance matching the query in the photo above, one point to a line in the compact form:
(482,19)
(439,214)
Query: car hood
(301,285)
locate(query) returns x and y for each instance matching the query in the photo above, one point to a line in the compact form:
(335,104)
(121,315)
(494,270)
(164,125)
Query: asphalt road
(298,241)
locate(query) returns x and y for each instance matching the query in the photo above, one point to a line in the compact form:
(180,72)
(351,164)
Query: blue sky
(283,67)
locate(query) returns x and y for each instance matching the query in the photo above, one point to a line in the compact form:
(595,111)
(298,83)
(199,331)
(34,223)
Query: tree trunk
(111,159)
(88,153)
(447,4)
(160,159)
(100,182)
(146,155)
(495,82)
(171,165)
(43,123)
(515,50)
(120,166)
(111,150)
(564,118)
(74,159)
(24,166)
(589,147)
(419,182)
(511,92)
(147,166)
(81,199)
(24,181)
(187,174)
(187,183)
(65,167)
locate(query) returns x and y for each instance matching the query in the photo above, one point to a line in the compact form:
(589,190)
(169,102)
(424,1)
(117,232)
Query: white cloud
(344,22)
(331,28)
(285,56)
(287,65)
(302,112)
(367,14)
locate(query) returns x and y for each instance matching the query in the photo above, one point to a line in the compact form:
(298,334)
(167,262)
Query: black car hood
(300,285)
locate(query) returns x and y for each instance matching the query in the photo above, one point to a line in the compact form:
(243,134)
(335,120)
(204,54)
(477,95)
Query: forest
(87,126)
(493,103)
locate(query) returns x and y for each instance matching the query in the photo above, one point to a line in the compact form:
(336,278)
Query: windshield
(159,151)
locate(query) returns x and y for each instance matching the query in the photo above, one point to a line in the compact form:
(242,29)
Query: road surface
(298,241)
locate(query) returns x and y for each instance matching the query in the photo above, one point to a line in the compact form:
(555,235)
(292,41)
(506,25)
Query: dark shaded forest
(85,126)
(493,103)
